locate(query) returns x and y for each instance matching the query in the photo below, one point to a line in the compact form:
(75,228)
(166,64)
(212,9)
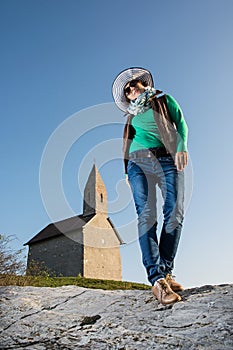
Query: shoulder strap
(164,122)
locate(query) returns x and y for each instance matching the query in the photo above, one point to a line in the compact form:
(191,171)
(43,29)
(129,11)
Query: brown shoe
(163,292)
(175,286)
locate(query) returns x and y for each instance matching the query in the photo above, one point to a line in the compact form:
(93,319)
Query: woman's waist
(152,152)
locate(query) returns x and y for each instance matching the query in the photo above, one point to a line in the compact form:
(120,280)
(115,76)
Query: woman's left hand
(181,160)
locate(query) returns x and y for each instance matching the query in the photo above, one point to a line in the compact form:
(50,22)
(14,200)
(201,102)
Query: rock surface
(78,318)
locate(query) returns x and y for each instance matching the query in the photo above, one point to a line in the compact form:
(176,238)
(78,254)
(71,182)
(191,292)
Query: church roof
(61,227)
(65,226)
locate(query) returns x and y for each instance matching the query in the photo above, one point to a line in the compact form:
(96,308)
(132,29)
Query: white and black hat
(123,78)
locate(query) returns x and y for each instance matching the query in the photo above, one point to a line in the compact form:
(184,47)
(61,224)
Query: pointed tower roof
(95,194)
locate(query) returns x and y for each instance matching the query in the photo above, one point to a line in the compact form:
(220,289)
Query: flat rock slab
(79,318)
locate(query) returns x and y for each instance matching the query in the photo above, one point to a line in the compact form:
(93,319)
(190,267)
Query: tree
(11,261)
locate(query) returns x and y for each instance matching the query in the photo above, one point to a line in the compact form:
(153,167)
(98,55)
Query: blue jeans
(144,174)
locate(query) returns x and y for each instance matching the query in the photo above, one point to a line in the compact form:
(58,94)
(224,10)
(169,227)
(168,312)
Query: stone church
(86,245)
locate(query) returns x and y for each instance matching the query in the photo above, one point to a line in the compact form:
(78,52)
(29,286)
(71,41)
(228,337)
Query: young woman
(155,153)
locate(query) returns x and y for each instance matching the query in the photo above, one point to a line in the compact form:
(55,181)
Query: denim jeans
(144,174)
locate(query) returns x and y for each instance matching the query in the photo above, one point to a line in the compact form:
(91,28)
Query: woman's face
(134,91)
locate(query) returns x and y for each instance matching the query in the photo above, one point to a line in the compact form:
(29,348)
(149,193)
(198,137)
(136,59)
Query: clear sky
(59,59)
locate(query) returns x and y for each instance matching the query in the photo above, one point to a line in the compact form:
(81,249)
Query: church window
(101,198)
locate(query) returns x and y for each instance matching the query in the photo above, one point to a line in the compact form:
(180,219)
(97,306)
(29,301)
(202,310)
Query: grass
(41,281)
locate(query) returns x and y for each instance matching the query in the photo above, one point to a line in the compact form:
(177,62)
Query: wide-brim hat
(123,78)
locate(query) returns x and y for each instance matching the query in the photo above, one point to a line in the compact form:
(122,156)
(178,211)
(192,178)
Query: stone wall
(102,263)
(62,255)
(102,258)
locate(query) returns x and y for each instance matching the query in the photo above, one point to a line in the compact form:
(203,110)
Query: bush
(38,268)
(11,261)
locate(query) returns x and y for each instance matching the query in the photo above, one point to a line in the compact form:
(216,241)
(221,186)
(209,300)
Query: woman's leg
(172,187)
(144,193)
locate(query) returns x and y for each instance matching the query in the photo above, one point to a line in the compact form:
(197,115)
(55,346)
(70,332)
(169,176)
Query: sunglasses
(132,83)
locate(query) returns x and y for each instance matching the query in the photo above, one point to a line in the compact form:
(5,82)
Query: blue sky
(60,57)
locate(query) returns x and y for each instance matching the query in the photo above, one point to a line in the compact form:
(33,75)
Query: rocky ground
(78,318)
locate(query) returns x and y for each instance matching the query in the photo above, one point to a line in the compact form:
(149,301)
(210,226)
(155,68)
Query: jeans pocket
(130,165)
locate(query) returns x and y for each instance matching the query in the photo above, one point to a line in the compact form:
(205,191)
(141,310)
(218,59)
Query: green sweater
(146,130)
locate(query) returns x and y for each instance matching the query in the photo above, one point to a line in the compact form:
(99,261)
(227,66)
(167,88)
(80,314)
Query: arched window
(101,198)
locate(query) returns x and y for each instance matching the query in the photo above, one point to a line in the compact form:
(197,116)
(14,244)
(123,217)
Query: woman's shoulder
(171,101)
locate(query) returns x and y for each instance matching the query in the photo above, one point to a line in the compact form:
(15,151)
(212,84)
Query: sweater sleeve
(181,125)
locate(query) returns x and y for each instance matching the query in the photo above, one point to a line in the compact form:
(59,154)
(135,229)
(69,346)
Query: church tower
(95,194)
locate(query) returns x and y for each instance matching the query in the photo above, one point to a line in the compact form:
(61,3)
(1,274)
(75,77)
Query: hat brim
(123,78)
